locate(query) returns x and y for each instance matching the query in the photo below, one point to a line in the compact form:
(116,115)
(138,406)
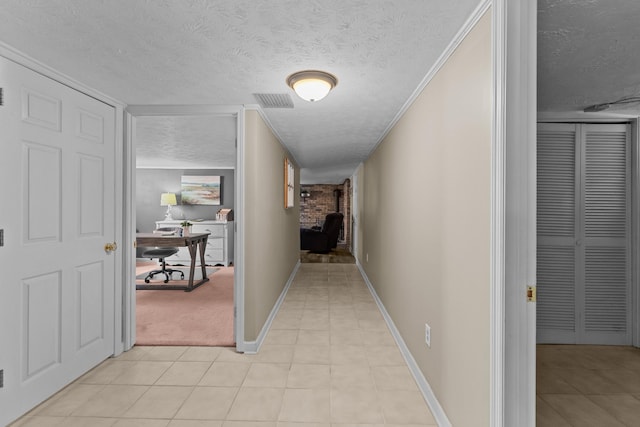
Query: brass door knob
(110,247)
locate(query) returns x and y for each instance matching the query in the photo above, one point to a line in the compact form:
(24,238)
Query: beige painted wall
(271,231)
(359,205)
(426,228)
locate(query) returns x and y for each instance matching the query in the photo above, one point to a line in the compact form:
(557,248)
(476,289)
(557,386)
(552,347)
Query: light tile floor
(328,359)
(582,385)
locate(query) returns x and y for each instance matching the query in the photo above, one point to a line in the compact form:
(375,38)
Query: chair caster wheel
(146,280)
(166,280)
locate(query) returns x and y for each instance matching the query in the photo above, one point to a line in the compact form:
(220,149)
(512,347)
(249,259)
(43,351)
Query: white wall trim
(252,347)
(497,248)
(187,167)
(120,230)
(184,110)
(129,222)
(355,210)
(444,57)
(239,224)
(581,117)
(429,396)
(39,67)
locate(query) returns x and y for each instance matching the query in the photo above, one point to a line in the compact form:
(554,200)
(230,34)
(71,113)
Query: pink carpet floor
(202,317)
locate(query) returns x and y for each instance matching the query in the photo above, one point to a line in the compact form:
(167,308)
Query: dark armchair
(323,240)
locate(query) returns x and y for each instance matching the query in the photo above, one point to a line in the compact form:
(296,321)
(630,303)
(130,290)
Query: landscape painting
(201,190)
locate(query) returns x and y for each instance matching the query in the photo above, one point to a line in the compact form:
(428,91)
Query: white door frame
(355,211)
(513,357)
(131,113)
(635,231)
(513,362)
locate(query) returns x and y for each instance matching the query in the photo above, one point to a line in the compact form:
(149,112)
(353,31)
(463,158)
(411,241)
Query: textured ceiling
(588,53)
(196,142)
(222,52)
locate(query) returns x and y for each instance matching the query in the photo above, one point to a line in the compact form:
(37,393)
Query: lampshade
(168,199)
(312,85)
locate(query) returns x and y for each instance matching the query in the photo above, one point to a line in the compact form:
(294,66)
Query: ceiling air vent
(274,100)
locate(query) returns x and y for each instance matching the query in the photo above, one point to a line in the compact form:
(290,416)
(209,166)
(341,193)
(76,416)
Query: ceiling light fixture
(312,85)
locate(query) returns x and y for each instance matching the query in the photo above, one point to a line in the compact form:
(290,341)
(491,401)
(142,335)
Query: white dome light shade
(312,85)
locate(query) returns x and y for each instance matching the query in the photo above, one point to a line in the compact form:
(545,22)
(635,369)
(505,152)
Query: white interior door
(584,178)
(57,293)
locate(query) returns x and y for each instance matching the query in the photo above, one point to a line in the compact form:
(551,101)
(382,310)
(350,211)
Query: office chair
(162,254)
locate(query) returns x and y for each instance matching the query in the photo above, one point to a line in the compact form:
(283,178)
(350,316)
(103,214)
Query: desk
(191,241)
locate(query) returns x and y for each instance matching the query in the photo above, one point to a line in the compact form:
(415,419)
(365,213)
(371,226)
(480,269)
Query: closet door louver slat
(556,288)
(556,183)
(605,290)
(606,185)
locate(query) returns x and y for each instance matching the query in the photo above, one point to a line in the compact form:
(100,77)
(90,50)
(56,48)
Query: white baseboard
(252,347)
(436,409)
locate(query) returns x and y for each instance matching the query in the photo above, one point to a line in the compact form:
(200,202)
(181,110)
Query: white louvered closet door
(583,234)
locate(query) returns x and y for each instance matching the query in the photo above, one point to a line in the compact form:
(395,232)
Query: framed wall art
(289,184)
(201,190)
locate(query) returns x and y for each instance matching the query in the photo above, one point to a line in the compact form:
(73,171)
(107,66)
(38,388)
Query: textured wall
(427,228)
(150,183)
(272,236)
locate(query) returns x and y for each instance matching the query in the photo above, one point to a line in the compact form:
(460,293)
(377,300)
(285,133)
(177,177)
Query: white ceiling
(179,142)
(588,53)
(222,52)
(176,52)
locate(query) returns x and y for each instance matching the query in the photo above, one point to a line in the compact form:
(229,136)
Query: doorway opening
(190,153)
(585,272)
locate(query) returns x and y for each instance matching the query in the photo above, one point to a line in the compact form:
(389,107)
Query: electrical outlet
(427,334)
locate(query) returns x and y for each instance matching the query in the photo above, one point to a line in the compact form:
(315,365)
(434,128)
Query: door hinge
(1,97)
(532,295)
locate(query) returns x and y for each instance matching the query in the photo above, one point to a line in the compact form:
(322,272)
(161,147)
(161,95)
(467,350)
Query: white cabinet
(219,248)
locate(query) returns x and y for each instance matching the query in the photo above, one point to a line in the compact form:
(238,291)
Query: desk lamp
(168,200)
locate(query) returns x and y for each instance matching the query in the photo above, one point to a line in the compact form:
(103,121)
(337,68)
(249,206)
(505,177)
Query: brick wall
(322,201)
